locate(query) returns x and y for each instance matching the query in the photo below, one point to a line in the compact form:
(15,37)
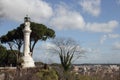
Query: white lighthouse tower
(27,58)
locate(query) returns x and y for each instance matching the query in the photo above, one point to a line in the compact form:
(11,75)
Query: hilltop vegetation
(51,72)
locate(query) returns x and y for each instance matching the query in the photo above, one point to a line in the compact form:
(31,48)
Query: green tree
(14,38)
(2,54)
(15,41)
(10,58)
(7,57)
(39,32)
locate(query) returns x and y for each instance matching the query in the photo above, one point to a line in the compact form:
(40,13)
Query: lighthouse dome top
(27,19)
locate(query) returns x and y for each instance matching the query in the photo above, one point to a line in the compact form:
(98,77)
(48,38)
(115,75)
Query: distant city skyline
(94,24)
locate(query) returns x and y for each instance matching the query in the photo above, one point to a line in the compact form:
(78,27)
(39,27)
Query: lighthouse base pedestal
(28,61)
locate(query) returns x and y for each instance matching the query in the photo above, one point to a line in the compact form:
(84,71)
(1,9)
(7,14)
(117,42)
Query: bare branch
(67,49)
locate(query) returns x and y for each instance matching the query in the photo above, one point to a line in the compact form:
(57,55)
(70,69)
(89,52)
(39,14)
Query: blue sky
(94,24)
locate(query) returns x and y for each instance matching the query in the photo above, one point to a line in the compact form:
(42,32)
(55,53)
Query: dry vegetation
(53,72)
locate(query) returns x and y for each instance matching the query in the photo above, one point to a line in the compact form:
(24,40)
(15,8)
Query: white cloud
(67,19)
(64,18)
(98,56)
(114,35)
(109,36)
(91,6)
(38,10)
(47,45)
(91,50)
(102,27)
(116,46)
(104,37)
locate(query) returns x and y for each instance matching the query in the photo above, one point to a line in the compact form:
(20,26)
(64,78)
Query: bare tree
(68,51)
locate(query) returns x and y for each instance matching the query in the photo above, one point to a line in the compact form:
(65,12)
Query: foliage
(38,73)
(69,75)
(2,54)
(15,36)
(2,49)
(7,57)
(46,74)
(39,32)
(14,39)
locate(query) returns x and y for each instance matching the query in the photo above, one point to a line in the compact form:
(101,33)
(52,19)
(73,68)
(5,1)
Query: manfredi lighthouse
(27,58)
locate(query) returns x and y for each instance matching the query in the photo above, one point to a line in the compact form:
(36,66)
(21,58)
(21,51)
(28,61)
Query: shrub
(46,74)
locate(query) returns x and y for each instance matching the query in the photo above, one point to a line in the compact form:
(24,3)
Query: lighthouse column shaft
(26,42)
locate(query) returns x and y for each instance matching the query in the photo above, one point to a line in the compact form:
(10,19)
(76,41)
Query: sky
(94,24)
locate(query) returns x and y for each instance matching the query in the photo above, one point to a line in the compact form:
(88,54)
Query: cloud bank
(38,10)
(109,36)
(102,27)
(61,17)
(66,19)
(91,6)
